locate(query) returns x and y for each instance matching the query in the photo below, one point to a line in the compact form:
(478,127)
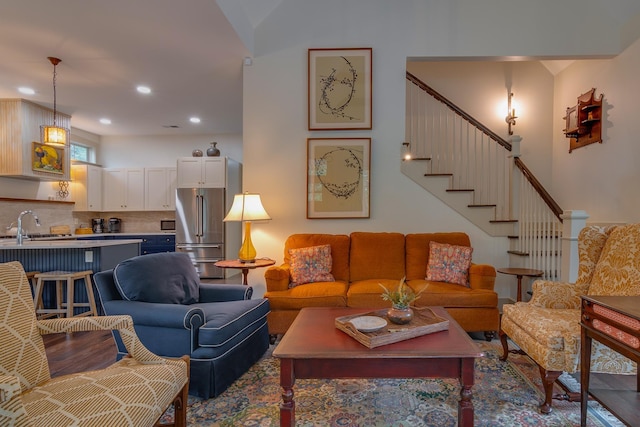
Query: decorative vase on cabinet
(213,151)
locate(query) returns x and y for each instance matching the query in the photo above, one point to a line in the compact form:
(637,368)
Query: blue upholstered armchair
(219,326)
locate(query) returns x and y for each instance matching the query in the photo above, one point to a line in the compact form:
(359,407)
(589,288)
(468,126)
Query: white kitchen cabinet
(123,189)
(86,187)
(202,172)
(160,189)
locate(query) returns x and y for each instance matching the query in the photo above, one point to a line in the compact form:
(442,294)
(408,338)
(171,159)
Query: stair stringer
(457,200)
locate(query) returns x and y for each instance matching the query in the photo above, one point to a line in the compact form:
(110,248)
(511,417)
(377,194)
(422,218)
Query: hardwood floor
(79,351)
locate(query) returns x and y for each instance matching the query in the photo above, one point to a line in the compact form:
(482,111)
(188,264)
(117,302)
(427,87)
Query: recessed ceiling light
(105,121)
(26,90)
(194,119)
(144,89)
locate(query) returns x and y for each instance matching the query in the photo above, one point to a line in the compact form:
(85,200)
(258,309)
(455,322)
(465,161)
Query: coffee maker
(114,225)
(97,225)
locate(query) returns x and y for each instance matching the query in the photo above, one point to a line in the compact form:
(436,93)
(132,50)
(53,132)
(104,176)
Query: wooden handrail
(555,208)
(422,85)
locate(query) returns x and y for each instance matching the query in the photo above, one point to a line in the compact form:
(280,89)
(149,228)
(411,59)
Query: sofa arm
(557,295)
(176,316)
(219,292)
(482,276)
(277,278)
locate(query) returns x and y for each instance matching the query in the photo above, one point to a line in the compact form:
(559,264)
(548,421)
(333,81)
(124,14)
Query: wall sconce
(247,207)
(406,151)
(511,114)
(63,193)
(54,135)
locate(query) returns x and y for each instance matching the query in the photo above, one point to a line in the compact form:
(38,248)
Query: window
(80,152)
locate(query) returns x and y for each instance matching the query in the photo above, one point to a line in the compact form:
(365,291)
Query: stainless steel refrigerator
(200,231)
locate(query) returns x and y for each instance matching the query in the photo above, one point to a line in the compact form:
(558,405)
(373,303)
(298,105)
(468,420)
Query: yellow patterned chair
(132,392)
(547,328)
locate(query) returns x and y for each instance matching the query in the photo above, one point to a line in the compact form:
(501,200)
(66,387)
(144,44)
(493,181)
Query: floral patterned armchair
(132,392)
(547,328)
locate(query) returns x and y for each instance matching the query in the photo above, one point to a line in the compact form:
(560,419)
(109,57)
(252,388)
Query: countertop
(69,243)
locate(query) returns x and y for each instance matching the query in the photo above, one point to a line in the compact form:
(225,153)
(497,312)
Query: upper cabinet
(86,187)
(123,189)
(202,172)
(160,189)
(22,153)
(584,121)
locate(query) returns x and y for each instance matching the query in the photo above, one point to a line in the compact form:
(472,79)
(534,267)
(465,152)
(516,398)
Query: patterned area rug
(504,394)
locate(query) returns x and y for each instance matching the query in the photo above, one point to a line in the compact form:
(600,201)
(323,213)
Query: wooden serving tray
(424,321)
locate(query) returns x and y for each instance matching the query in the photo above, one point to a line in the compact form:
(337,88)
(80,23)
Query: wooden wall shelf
(584,121)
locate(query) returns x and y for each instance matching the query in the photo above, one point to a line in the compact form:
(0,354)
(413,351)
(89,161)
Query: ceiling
(185,51)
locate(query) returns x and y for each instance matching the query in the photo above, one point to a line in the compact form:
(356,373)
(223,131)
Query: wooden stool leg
(37,299)
(93,310)
(71,283)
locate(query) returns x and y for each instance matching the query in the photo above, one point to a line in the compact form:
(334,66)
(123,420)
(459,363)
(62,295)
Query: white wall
(162,151)
(601,179)
(275,96)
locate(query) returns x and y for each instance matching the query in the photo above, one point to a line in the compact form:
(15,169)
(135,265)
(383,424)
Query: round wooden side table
(245,266)
(520,273)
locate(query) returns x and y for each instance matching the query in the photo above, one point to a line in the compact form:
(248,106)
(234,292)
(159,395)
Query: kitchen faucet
(19,232)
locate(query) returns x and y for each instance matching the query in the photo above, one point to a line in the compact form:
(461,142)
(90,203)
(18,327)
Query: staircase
(481,176)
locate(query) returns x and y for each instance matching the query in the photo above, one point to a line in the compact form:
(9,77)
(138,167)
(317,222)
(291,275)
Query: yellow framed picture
(340,85)
(47,158)
(338,177)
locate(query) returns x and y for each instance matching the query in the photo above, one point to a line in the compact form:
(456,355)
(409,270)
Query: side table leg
(245,273)
(519,296)
(465,406)
(288,405)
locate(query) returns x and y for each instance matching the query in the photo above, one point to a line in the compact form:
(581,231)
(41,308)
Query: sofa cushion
(339,250)
(449,263)
(617,272)
(452,295)
(167,278)
(417,249)
(312,264)
(319,294)
(376,256)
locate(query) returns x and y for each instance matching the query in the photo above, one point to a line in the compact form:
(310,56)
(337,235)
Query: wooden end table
(520,273)
(245,266)
(314,348)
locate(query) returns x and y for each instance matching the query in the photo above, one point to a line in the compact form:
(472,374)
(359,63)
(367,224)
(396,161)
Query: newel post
(572,223)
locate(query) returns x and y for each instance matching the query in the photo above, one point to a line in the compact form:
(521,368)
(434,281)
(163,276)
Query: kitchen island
(68,255)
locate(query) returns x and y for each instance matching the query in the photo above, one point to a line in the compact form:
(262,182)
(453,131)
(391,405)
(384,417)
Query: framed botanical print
(340,85)
(338,177)
(47,158)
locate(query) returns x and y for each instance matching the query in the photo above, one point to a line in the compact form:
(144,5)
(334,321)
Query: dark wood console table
(614,322)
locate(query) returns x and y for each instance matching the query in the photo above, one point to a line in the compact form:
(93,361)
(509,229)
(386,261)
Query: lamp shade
(247,207)
(54,135)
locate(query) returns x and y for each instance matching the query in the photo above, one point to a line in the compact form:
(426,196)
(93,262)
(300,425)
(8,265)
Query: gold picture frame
(47,158)
(338,177)
(340,89)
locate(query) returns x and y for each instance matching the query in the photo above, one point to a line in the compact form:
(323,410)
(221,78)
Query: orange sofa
(363,260)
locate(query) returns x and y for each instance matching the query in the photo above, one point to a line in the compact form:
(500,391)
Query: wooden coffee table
(314,348)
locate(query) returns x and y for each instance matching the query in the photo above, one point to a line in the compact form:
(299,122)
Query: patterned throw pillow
(449,263)
(312,264)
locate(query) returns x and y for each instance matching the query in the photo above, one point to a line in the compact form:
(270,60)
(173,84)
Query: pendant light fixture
(54,135)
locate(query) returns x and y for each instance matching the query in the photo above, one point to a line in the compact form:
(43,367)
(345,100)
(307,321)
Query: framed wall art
(340,85)
(338,177)
(47,158)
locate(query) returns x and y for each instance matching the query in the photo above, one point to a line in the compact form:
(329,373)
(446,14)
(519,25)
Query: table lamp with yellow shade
(247,207)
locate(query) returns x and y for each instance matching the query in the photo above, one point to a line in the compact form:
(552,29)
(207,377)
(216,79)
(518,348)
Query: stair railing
(453,142)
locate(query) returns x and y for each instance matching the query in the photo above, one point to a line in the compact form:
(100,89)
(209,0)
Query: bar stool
(64,307)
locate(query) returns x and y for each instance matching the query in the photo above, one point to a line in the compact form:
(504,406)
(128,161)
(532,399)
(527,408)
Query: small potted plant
(401,299)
